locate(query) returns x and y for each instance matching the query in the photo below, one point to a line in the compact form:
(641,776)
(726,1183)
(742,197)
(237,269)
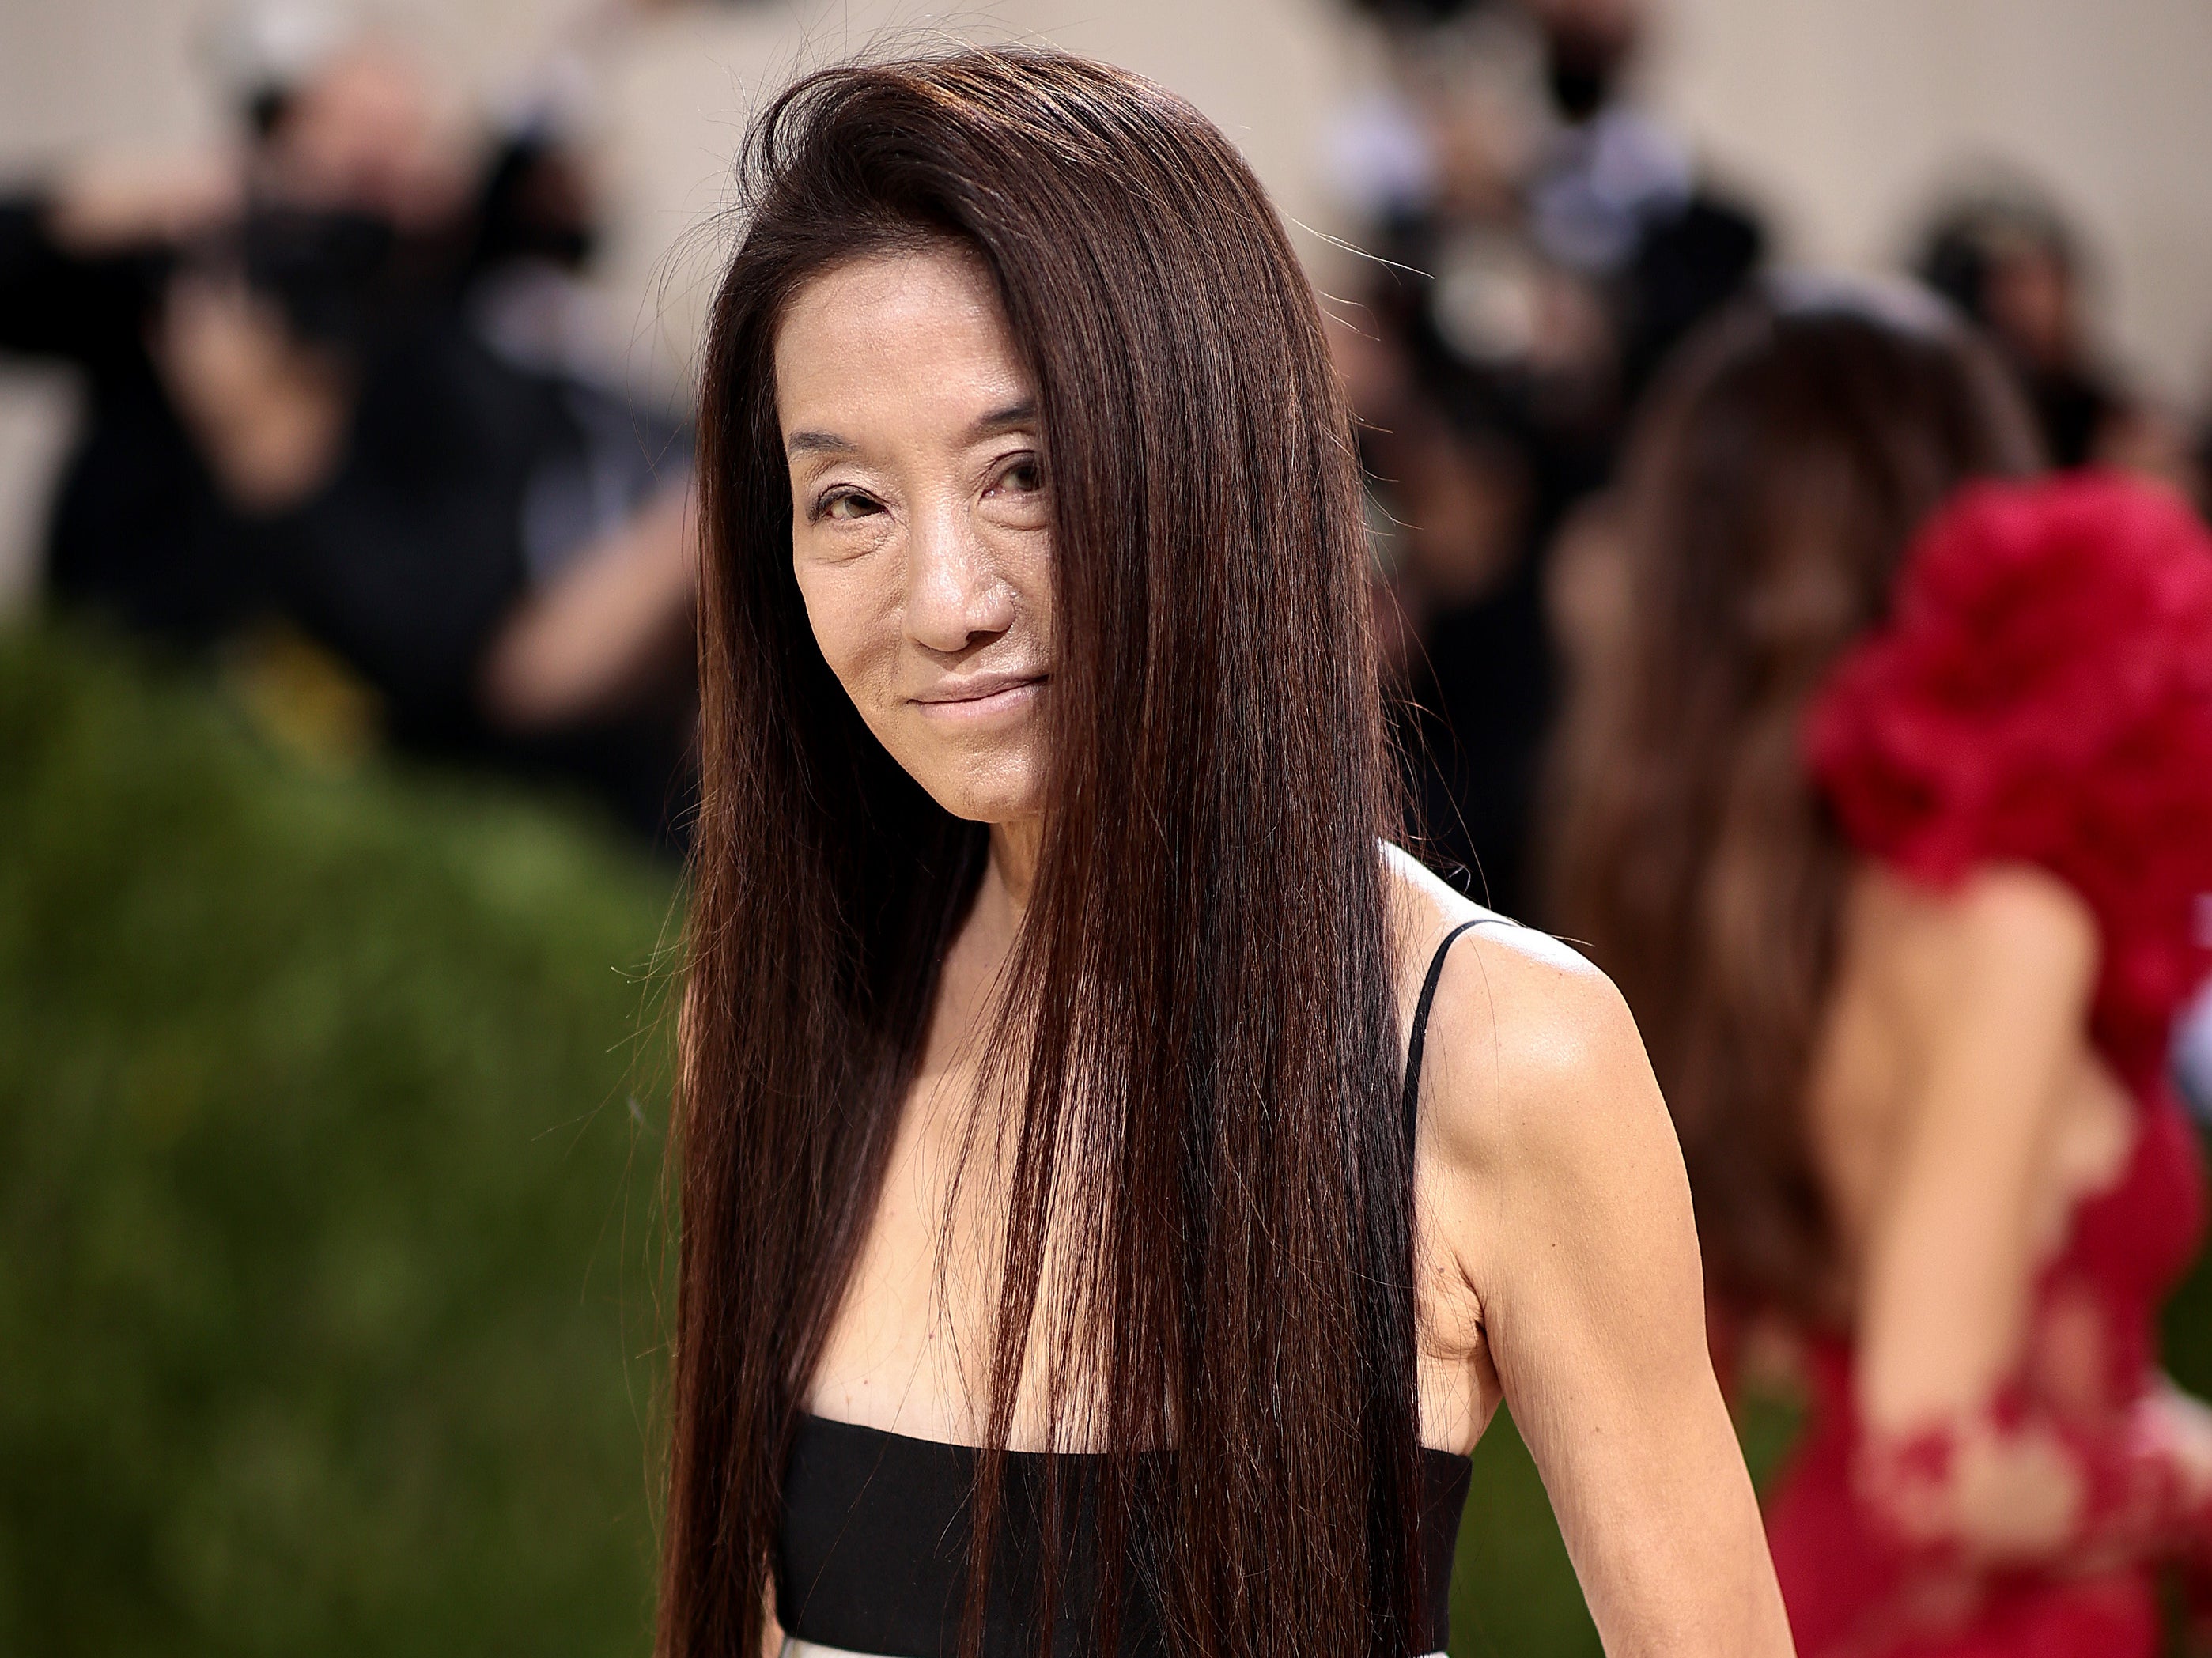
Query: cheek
(1027,565)
(856,623)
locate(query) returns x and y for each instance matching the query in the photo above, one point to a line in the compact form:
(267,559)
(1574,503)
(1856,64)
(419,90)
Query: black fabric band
(1412,1093)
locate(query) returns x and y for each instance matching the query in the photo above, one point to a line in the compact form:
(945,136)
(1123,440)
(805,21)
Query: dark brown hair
(1771,490)
(1202,994)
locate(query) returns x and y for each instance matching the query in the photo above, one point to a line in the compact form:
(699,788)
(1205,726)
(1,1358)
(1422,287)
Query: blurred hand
(2014,1496)
(2183,1423)
(268,413)
(605,630)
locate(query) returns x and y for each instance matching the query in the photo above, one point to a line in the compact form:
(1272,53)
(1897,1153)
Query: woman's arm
(1961,1463)
(78,256)
(584,645)
(1559,1191)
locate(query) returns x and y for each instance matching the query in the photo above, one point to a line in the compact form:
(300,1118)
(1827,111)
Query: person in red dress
(1887,801)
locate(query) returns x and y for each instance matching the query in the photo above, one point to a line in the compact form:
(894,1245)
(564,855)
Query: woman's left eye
(1023,475)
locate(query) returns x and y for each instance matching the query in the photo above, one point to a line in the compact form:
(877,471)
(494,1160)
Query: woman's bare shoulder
(1531,1056)
(2005,933)
(1998,911)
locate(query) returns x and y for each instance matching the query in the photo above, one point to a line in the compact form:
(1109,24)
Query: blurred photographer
(295,416)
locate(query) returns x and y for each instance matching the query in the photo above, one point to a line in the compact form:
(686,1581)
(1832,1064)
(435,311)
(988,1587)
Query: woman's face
(920,527)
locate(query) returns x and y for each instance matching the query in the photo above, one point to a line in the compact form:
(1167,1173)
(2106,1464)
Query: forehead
(893,332)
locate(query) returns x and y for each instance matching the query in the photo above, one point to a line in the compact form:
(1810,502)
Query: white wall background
(1846,117)
(1841,117)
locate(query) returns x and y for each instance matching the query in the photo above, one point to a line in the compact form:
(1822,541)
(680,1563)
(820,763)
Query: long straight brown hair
(1772,491)
(1201,995)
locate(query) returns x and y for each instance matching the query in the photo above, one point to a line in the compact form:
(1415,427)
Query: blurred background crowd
(345,686)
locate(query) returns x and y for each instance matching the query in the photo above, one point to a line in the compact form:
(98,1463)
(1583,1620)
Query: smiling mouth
(995,695)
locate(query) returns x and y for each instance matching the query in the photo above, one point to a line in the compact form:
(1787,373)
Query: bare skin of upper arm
(1950,1247)
(1952,1234)
(1553,1187)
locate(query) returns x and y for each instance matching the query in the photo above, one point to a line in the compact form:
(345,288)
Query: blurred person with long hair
(1117,1187)
(1887,802)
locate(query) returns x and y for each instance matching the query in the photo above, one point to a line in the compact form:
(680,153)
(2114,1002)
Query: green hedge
(329,1158)
(322,1293)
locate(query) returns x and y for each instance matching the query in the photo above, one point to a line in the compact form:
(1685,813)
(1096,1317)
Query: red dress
(2041,693)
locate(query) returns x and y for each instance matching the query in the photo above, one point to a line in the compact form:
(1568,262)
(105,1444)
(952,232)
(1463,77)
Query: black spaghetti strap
(1412,1091)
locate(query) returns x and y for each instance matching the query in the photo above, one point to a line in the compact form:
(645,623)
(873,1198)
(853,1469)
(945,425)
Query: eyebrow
(809,442)
(999,420)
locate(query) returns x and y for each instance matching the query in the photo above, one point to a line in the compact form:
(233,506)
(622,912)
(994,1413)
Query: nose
(956,599)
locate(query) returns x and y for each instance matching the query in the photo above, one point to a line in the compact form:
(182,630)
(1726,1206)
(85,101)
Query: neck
(1014,849)
(980,954)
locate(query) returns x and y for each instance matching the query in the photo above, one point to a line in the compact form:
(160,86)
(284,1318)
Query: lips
(980,695)
(980,687)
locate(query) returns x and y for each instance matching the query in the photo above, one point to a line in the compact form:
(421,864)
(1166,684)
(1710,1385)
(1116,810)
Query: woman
(1891,830)
(1046,1179)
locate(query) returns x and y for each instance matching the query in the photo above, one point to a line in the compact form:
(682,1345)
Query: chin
(999,804)
(1002,784)
(988,809)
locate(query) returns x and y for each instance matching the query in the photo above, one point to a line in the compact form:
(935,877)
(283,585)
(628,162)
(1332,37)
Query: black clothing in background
(1484,684)
(1684,267)
(1473,730)
(137,528)
(403,565)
